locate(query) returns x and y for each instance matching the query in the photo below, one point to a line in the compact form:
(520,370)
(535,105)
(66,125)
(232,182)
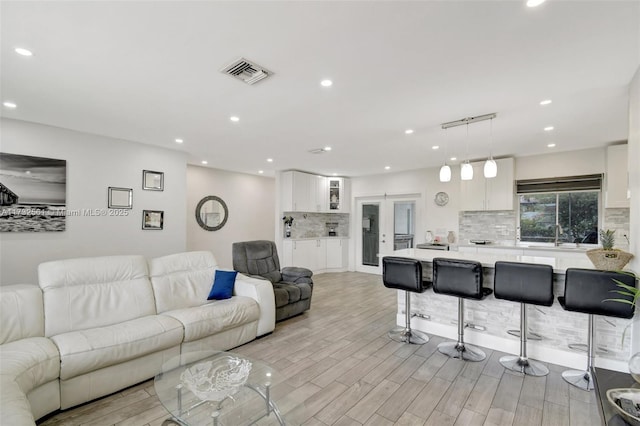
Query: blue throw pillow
(223,283)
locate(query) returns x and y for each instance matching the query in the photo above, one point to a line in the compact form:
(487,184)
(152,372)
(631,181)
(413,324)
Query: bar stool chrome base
(524,365)
(461,351)
(406,335)
(579,379)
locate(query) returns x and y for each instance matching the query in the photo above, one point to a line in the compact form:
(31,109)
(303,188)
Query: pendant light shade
(445,173)
(466,172)
(490,168)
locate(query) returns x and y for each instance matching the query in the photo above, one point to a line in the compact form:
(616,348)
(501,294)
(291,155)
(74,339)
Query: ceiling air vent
(247,71)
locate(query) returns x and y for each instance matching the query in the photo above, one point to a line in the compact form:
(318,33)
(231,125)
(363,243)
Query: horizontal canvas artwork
(32,193)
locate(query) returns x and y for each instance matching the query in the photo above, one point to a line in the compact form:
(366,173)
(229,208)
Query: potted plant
(608,258)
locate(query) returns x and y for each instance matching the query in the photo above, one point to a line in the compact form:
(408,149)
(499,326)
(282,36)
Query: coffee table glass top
(217,388)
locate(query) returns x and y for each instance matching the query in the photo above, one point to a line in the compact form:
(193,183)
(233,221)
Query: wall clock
(442,198)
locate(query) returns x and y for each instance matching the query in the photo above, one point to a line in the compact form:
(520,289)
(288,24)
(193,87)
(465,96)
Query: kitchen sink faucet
(559,232)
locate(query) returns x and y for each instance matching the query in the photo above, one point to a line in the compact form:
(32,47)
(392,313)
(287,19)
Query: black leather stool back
(402,274)
(586,291)
(462,278)
(524,282)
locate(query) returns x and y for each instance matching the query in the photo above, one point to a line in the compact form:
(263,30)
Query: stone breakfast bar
(490,319)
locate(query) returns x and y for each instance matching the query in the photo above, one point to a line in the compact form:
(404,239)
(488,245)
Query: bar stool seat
(587,291)
(405,274)
(463,279)
(526,283)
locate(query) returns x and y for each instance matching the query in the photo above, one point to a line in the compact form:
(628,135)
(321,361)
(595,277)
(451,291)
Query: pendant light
(466,171)
(445,170)
(490,166)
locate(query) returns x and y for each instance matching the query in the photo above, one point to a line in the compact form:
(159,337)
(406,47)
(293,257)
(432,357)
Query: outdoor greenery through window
(575,212)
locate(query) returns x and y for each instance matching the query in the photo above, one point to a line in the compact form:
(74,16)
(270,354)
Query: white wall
(251,203)
(634,186)
(569,163)
(93,164)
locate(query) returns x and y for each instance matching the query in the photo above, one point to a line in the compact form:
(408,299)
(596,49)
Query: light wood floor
(340,368)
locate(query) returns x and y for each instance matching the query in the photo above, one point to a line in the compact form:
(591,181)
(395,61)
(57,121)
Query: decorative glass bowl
(218,379)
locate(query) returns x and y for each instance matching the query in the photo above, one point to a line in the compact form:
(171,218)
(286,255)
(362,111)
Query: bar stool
(526,283)
(586,291)
(463,279)
(405,274)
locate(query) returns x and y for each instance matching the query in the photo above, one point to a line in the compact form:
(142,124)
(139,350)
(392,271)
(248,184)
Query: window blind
(560,184)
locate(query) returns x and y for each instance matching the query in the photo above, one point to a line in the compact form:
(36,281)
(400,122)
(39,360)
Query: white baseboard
(511,345)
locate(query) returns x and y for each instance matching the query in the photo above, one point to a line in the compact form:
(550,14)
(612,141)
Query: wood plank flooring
(340,368)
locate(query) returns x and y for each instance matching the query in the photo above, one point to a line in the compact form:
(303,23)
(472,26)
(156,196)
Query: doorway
(386,223)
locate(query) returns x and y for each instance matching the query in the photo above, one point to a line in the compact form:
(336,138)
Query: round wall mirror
(211,213)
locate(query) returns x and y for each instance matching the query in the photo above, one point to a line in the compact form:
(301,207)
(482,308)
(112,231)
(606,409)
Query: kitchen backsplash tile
(496,226)
(618,220)
(314,225)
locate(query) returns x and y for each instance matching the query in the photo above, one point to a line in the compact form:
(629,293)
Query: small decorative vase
(609,260)
(634,366)
(451,237)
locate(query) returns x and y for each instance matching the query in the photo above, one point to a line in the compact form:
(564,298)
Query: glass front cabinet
(338,199)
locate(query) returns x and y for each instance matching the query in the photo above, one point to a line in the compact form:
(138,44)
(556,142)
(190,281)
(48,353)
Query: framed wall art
(120,198)
(152,181)
(152,219)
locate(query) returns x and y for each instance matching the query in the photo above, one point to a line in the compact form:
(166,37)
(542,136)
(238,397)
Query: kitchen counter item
(480,242)
(431,246)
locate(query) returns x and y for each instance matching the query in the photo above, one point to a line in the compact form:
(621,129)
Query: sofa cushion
(223,282)
(286,293)
(89,350)
(305,290)
(21,312)
(182,280)
(92,292)
(30,362)
(217,316)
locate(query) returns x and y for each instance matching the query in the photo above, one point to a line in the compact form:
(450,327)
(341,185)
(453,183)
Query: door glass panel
(404,224)
(370,233)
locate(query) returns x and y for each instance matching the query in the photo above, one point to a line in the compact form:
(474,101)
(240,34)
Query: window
(575,212)
(562,210)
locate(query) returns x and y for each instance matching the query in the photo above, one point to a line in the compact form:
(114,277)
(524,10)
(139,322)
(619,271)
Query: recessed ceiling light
(335,174)
(551,145)
(234,119)
(205,162)
(387,167)
(545,102)
(326,83)
(408,131)
(435,147)
(8,104)
(453,158)
(327,148)
(548,128)
(534,3)
(269,160)
(178,140)
(261,171)
(22,51)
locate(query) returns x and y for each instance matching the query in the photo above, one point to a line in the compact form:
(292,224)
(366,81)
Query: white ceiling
(149,72)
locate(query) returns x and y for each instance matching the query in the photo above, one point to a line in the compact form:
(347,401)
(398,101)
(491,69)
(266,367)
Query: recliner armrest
(297,275)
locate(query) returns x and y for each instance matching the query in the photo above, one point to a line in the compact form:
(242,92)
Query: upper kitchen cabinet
(338,200)
(617,177)
(304,192)
(495,193)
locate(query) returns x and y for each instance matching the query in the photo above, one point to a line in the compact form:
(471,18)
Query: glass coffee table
(219,389)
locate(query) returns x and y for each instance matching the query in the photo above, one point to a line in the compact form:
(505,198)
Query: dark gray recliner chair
(292,286)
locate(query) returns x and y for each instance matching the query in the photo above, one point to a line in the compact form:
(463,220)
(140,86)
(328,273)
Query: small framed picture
(152,181)
(152,219)
(120,198)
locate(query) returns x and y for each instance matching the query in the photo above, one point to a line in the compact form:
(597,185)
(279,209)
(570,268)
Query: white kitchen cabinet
(337,250)
(318,255)
(617,177)
(495,193)
(303,192)
(338,196)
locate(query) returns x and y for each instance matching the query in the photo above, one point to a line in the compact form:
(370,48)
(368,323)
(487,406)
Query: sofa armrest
(261,290)
(297,275)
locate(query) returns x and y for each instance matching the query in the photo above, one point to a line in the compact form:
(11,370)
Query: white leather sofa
(181,283)
(29,362)
(97,325)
